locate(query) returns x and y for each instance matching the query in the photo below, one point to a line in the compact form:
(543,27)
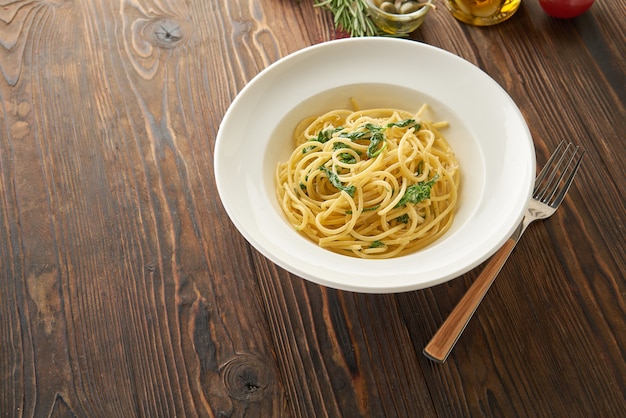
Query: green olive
(388,7)
(409,7)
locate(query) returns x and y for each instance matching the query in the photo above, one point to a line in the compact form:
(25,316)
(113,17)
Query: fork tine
(545,180)
(554,186)
(547,167)
(561,166)
(568,182)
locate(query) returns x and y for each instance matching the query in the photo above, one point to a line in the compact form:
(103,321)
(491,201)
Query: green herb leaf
(377,140)
(403,219)
(325,135)
(344,157)
(377,244)
(374,133)
(418,192)
(375,147)
(334,180)
(406,123)
(354,135)
(420,168)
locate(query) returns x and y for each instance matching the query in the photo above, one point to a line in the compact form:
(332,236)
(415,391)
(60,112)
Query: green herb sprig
(350,16)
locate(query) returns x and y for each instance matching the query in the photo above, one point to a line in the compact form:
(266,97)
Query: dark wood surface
(125,291)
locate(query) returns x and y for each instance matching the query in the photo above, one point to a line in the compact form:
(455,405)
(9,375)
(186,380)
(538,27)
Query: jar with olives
(398,17)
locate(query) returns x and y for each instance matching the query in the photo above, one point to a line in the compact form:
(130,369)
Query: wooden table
(125,290)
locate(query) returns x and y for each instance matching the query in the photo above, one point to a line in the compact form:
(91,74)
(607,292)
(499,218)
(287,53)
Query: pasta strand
(373,183)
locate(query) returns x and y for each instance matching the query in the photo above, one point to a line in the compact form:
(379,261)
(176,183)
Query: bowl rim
(329,275)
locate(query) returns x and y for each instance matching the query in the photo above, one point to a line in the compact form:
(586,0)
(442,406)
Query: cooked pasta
(374,183)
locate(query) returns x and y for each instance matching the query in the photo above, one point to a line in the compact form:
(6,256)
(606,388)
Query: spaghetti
(375,183)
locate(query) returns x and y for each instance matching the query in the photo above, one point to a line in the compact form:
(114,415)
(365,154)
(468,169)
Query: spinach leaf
(354,135)
(417,192)
(334,180)
(323,136)
(376,134)
(406,123)
(377,140)
(344,157)
(403,219)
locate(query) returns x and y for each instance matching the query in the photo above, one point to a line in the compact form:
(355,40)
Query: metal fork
(550,188)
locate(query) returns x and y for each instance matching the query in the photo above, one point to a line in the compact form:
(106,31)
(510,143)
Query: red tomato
(565,9)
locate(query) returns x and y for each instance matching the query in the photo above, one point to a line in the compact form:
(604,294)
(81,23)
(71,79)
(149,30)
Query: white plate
(487,132)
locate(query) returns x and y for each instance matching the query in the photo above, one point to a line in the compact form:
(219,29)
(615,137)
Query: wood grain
(125,291)
(116,295)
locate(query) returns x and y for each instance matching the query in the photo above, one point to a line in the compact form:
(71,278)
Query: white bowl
(487,132)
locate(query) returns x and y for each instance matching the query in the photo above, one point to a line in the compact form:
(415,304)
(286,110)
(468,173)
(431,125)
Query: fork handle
(446,337)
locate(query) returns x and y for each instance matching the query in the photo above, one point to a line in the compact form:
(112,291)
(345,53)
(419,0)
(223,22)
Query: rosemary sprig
(350,16)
